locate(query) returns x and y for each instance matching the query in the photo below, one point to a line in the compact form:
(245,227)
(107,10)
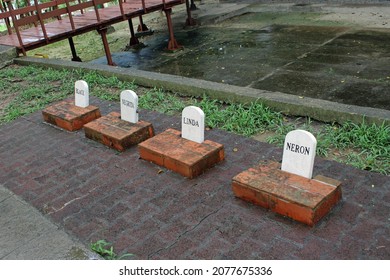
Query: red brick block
(116,133)
(68,116)
(302,199)
(183,156)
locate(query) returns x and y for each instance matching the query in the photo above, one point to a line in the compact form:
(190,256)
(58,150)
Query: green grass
(35,87)
(28,89)
(88,45)
(371,143)
(156,99)
(365,146)
(104,249)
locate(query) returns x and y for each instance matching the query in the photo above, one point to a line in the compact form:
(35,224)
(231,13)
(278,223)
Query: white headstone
(192,124)
(81,94)
(129,106)
(299,152)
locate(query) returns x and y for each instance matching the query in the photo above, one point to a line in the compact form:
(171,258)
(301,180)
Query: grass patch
(88,45)
(365,146)
(28,89)
(104,249)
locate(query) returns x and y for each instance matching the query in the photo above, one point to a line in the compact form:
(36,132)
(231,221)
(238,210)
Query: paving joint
(184,233)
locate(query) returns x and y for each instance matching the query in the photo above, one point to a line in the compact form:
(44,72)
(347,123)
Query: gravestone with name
(129,106)
(186,153)
(72,114)
(288,188)
(192,125)
(81,93)
(299,152)
(121,130)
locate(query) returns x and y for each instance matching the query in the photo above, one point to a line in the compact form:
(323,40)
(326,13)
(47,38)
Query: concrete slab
(281,48)
(26,235)
(7,54)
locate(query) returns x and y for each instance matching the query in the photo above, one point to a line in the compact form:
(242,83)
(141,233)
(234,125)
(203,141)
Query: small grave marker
(299,152)
(129,106)
(192,126)
(81,93)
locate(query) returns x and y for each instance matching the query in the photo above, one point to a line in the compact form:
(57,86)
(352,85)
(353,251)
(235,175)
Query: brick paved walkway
(97,193)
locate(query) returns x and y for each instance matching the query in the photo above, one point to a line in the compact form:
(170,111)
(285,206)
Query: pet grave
(185,152)
(72,114)
(120,130)
(288,188)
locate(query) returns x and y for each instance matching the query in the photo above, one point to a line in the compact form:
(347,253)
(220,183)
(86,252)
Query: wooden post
(96,11)
(41,22)
(3,8)
(11,10)
(70,15)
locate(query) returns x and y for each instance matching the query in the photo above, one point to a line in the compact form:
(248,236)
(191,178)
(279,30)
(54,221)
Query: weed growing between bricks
(26,89)
(104,249)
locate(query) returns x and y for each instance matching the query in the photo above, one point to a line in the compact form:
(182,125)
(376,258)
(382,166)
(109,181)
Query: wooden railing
(59,17)
(39,13)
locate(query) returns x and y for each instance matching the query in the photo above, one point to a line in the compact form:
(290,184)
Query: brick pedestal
(116,133)
(68,116)
(304,200)
(183,156)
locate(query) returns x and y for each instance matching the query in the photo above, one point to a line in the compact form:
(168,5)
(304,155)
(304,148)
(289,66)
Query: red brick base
(304,200)
(183,156)
(116,133)
(68,116)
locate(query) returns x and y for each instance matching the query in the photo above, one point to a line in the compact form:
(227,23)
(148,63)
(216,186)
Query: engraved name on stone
(299,152)
(81,91)
(129,106)
(192,127)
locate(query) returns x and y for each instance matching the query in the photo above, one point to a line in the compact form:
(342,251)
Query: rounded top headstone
(299,151)
(192,125)
(81,93)
(129,106)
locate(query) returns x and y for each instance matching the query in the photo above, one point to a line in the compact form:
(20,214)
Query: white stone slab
(192,124)
(129,106)
(299,152)
(81,94)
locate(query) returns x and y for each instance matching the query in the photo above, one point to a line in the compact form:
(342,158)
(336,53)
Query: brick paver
(94,193)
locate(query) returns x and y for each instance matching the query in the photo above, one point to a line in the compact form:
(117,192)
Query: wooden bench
(40,24)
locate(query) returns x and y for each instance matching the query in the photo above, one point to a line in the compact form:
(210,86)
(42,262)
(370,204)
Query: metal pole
(133,40)
(190,21)
(103,34)
(172,44)
(73,50)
